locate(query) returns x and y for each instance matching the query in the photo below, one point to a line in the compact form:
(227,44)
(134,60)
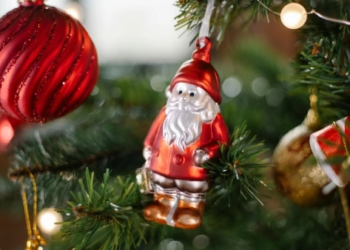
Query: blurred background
(138,38)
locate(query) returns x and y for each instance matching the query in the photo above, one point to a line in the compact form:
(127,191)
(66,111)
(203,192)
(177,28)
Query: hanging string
(34,237)
(35,203)
(313,11)
(204,31)
(25,208)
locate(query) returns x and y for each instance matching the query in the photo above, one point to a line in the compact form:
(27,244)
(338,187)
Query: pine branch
(224,14)
(102,216)
(80,142)
(324,60)
(236,173)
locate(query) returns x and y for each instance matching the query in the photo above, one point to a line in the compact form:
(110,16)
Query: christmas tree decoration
(329,145)
(186,134)
(187,180)
(296,172)
(35,240)
(48,63)
(293,16)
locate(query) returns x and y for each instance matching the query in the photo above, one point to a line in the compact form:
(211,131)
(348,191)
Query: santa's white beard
(183,123)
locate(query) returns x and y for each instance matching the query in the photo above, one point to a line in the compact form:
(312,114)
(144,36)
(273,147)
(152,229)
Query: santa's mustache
(187,106)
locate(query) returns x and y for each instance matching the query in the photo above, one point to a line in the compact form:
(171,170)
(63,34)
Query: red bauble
(48,63)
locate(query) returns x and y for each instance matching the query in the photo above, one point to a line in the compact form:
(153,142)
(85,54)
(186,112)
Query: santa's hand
(200,156)
(146,153)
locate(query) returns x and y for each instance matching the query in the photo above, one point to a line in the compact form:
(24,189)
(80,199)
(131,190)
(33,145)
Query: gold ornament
(296,172)
(35,241)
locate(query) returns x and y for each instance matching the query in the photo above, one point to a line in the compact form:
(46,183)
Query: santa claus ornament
(186,133)
(48,63)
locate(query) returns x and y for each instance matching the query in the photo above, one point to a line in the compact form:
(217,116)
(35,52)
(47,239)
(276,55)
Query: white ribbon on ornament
(322,161)
(204,31)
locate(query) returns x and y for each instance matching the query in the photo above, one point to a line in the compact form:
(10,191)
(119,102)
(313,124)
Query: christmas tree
(265,170)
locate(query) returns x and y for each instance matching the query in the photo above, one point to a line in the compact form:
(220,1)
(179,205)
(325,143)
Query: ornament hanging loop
(35,240)
(204,31)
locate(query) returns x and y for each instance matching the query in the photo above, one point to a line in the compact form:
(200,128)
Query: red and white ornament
(185,134)
(48,62)
(327,144)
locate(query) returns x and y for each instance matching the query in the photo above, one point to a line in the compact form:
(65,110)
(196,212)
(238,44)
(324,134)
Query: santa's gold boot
(189,213)
(159,209)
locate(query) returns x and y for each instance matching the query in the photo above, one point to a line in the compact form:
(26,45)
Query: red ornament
(185,134)
(48,63)
(329,143)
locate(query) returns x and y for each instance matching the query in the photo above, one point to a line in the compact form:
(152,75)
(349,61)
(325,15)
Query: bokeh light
(47,219)
(169,244)
(232,87)
(6,132)
(274,97)
(158,83)
(201,241)
(260,86)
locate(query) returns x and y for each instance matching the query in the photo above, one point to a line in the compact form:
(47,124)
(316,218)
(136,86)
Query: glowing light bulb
(293,16)
(6,132)
(47,219)
(75,10)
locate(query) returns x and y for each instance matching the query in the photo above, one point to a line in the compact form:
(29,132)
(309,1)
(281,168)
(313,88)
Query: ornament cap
(29,3)
(203,53)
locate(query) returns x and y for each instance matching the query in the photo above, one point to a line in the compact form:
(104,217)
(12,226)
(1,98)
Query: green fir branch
(323,62)
(223,17)
(237,171)
(102,216)
(78,143)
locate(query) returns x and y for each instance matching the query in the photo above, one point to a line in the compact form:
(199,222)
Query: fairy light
(293,16)
(6,132)
(47,219)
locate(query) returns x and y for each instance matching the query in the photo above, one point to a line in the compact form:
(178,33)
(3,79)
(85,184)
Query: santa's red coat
(170,161)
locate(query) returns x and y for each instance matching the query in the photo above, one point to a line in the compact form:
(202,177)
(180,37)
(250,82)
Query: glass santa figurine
(187,132)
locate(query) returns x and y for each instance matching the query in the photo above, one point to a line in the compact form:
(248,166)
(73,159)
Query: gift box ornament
(330,147)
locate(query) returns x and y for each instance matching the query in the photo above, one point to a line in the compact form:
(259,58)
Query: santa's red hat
(200,72)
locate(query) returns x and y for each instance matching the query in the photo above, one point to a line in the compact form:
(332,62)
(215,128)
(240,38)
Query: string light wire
(313,11)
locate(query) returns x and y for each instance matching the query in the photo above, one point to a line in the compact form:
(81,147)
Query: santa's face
(188,107)
(187,95)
